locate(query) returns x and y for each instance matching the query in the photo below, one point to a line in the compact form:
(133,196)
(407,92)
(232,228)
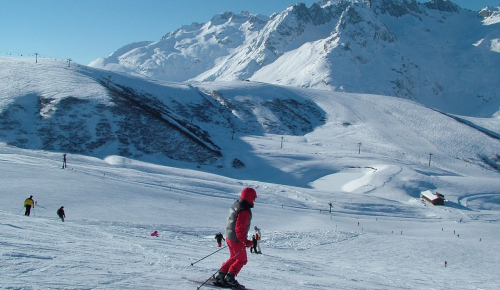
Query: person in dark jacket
(219,237)
(28,204)
(237,226)
(60,213)
(253,249)
(64,161)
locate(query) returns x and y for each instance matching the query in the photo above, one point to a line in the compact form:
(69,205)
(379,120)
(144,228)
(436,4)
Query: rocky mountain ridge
(435,53)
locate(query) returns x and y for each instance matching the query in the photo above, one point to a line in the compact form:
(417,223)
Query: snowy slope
(368,155)
(97,113)
(367,242)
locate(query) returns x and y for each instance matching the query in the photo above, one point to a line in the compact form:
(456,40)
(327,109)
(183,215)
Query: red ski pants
(237,259)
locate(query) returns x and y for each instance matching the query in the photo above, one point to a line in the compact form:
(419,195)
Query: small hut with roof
(433,198)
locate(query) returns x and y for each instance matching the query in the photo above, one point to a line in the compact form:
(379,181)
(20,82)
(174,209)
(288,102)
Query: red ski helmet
(248,194)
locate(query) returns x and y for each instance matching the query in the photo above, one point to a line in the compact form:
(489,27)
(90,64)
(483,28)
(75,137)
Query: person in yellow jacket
(28,204)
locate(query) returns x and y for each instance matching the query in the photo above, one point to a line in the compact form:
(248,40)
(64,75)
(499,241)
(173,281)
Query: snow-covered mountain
(435,53)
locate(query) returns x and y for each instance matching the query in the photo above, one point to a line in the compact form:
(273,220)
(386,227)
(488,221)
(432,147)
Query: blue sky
(86,30)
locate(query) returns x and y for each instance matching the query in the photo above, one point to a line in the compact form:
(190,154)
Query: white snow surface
(370,159)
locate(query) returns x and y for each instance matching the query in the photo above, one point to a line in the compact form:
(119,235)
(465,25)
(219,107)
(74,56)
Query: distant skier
(219,237)
(64,161)
(253,249)
(237,226)
(257,237)
(154,234)
(60,213)
(28,204)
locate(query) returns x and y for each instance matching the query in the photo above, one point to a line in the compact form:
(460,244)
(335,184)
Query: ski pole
(21,210)
(203,284)
(197,288)
(208,255)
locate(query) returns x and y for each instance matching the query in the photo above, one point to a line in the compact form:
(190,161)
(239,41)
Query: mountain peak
(427,52)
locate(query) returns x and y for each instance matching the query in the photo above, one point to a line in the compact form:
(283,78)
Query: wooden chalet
(433,198)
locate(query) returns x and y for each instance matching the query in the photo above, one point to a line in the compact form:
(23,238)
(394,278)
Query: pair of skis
(212,283)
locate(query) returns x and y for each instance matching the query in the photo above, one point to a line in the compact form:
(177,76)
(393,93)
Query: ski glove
(249,244)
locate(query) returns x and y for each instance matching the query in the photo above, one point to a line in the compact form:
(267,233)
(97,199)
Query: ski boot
(220,279)
(232,283)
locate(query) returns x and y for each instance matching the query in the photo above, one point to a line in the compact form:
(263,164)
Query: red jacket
(242,225)
(240,216)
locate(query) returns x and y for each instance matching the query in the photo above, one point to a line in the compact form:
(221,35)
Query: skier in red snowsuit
(237,226)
